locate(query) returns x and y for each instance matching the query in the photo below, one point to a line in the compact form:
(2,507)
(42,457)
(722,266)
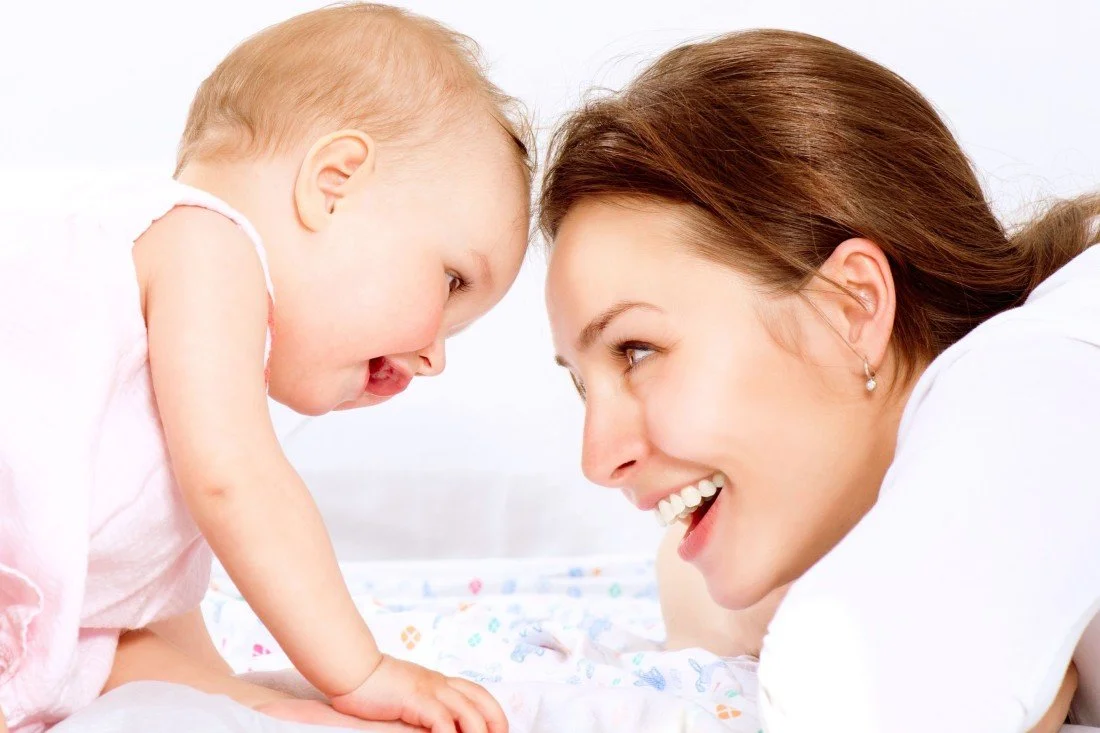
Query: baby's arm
(206,311)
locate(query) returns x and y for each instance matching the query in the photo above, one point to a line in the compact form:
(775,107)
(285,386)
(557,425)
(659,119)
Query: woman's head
(739,238)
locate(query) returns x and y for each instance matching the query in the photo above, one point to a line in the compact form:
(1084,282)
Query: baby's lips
(386,378)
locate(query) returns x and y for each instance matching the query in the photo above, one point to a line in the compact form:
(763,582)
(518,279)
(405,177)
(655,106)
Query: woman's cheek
(686,417)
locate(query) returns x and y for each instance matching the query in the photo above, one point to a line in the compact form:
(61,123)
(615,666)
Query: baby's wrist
(374,661)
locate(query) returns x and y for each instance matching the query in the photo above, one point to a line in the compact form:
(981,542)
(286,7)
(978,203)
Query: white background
(88,88)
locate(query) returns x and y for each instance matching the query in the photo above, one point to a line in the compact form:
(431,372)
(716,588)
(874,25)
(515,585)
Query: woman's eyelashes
(578,384)
(633,353)
(628,353)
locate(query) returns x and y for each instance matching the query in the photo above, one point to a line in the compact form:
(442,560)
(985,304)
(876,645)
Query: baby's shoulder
(196,228)
(199,245)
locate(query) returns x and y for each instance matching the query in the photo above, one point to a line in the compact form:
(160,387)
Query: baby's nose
(433,360)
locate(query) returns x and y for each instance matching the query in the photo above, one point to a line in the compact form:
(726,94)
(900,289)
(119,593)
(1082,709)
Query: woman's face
(690,371)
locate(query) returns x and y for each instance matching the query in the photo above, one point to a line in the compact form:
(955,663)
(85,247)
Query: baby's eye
(456,283)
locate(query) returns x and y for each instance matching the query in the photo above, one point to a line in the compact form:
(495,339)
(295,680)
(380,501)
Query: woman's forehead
(611,250)
(615,241)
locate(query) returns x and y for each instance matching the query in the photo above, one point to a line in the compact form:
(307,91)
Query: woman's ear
(866,312)
(336,166)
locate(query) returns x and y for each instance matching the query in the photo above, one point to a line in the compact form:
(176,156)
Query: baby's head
(388,181)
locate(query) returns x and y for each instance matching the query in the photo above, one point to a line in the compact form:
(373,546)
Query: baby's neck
(261,190)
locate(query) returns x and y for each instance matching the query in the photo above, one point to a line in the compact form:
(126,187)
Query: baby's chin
(367,400)
(315,405)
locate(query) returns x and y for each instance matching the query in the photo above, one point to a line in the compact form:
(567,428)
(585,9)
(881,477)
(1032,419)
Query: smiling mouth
(385,378)
(691,502)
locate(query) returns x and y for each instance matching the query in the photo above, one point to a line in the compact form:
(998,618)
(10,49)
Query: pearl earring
(872,383)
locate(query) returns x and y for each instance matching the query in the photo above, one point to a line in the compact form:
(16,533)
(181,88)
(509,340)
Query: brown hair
(785,145)
(362,65)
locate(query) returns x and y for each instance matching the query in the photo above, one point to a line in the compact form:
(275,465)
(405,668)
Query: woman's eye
(635,355)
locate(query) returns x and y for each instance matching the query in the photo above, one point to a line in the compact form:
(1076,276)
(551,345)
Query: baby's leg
(694,620)
(188,633)
(180,650)
(145,656)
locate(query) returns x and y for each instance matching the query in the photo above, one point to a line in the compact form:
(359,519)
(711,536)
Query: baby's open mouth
(385,378)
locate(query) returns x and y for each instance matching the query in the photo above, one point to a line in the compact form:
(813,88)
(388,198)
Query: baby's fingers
(430,713)
(486,704)
(469,719)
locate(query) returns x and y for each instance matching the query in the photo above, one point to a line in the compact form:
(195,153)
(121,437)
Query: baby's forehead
(477,141)
(483,173)
(501,250)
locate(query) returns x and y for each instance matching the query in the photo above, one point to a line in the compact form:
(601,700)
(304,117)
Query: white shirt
(958,601)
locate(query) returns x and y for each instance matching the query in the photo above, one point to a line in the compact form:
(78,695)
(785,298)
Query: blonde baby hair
(396,75)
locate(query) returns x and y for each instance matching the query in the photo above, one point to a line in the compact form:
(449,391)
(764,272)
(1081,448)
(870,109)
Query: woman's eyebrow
(597,325)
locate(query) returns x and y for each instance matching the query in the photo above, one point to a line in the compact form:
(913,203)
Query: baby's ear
(336,166)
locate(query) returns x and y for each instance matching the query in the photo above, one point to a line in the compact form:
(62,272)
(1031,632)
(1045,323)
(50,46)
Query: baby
(350,192)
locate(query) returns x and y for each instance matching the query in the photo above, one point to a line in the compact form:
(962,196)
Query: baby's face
(419,253)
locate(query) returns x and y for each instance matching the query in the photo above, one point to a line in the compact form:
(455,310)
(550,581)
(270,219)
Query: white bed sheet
(565,644)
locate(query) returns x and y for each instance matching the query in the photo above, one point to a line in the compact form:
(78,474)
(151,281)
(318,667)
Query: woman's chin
(738,590)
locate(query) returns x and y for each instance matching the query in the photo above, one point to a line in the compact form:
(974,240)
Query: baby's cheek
(418,325)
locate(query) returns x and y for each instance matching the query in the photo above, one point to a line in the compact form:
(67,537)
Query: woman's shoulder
(1044,353)
(981,547)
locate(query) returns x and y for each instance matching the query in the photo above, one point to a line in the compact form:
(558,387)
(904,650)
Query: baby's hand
(313,712)
(407,692)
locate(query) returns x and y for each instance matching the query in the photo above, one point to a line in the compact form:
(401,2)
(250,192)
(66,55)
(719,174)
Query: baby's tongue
(386,380)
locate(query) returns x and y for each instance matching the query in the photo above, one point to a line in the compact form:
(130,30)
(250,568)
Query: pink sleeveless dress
(94,535)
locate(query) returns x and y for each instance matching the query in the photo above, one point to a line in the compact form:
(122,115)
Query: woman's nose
(614,442)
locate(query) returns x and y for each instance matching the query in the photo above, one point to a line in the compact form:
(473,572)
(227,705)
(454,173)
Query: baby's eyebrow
(484,274)
(459,329)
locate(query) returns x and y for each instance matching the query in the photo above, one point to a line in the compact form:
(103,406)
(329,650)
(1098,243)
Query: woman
(798,327)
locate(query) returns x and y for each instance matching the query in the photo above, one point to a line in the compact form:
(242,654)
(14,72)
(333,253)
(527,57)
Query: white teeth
(692,496)
(667,515)
(682,504)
